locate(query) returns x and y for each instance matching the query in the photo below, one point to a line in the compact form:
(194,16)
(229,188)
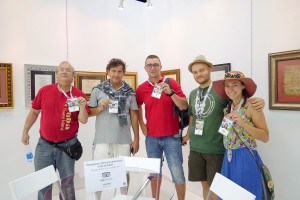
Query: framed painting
(284,80)
(174,74)
(132,79)
(6,86)
(36,77)
(86,81)
(219,70)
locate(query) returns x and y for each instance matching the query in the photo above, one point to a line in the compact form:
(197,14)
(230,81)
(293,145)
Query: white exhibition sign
(104,174)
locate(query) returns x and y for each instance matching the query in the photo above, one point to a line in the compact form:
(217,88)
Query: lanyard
(156,83)
(65,93)
(199,106)
(241,102)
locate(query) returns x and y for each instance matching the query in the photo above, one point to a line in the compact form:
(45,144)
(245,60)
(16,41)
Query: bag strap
(167,80)
(56,145)
(259,165)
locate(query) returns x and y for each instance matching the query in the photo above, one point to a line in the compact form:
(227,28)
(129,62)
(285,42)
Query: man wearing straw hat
(206,114)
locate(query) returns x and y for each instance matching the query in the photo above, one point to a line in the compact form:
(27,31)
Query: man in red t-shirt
(62,106)
(162,128)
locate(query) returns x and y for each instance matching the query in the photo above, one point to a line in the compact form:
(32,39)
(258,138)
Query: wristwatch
(172,92)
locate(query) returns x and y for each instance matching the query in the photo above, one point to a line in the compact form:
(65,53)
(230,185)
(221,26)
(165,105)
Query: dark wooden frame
(226,67)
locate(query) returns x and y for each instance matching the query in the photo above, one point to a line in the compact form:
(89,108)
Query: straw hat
(200,59)
(219,87)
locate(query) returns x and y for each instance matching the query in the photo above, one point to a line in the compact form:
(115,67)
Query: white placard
(104,174)
(41,80)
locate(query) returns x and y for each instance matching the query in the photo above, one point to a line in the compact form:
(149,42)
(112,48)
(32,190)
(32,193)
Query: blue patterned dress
(238,164)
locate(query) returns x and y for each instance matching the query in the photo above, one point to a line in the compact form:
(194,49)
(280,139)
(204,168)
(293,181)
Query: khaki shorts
(203,166)
(105,150)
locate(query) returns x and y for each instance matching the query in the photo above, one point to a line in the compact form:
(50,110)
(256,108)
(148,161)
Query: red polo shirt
(57,123)
(159,112)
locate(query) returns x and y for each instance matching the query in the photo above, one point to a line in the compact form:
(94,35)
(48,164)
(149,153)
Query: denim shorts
(171,145)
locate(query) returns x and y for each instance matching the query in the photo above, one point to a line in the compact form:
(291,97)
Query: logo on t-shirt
(66,118)
(209,105)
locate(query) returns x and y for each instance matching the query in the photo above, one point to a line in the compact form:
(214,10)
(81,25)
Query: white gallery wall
(34,32)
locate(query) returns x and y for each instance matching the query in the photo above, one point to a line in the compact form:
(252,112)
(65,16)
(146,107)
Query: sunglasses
(233,75)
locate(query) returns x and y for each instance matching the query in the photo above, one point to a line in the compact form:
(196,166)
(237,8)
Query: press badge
(73,104)
(157,90)
(226,126)
(199,127)
(113,107)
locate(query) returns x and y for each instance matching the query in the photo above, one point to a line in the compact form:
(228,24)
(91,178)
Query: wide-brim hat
(200,59)
(219,86)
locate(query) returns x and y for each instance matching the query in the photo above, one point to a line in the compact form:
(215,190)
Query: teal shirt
(211,141)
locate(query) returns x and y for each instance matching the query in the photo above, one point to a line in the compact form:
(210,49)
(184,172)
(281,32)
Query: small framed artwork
(284,80)
(6,86)
(36,77)
(174,74)
(86,81)
(219,71)
(132,79)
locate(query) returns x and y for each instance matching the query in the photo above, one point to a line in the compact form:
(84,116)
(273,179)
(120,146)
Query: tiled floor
(189,196)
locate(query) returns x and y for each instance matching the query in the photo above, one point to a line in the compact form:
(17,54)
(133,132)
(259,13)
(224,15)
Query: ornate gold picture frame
(6,86)
(132,79)
(284,80)
(174,74)
(86,81)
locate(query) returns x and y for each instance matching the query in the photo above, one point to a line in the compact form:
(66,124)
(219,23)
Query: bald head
(65,64)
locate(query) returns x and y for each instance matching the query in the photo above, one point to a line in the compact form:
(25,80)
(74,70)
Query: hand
(25,138)
(135,146)
(104,103)
(165,87)
(236,117)
(257,104)
(144,129)
(185,139)
(81,102)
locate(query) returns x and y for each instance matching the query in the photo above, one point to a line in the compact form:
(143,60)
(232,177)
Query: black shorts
(203,166)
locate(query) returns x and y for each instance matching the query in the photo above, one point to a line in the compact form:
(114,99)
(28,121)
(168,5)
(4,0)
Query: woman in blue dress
(249,125)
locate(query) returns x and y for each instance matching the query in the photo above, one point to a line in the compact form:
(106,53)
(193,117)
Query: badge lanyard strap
(156,83)
(241,102)
(65,93)
(200,105)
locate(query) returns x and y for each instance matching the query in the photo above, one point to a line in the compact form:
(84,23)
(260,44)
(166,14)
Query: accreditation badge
(157,90)
(73,104)
(226,126)
(113,107)
(199,127)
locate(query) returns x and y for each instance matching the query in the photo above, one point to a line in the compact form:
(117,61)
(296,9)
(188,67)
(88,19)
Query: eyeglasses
(233,75)
(155,65)
(68,70)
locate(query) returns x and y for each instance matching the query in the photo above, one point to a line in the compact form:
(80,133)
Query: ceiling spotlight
(149,5)
(121,7)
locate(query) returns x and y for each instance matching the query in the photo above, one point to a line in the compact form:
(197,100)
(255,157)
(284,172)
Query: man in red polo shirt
(162,128)
(58,126)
